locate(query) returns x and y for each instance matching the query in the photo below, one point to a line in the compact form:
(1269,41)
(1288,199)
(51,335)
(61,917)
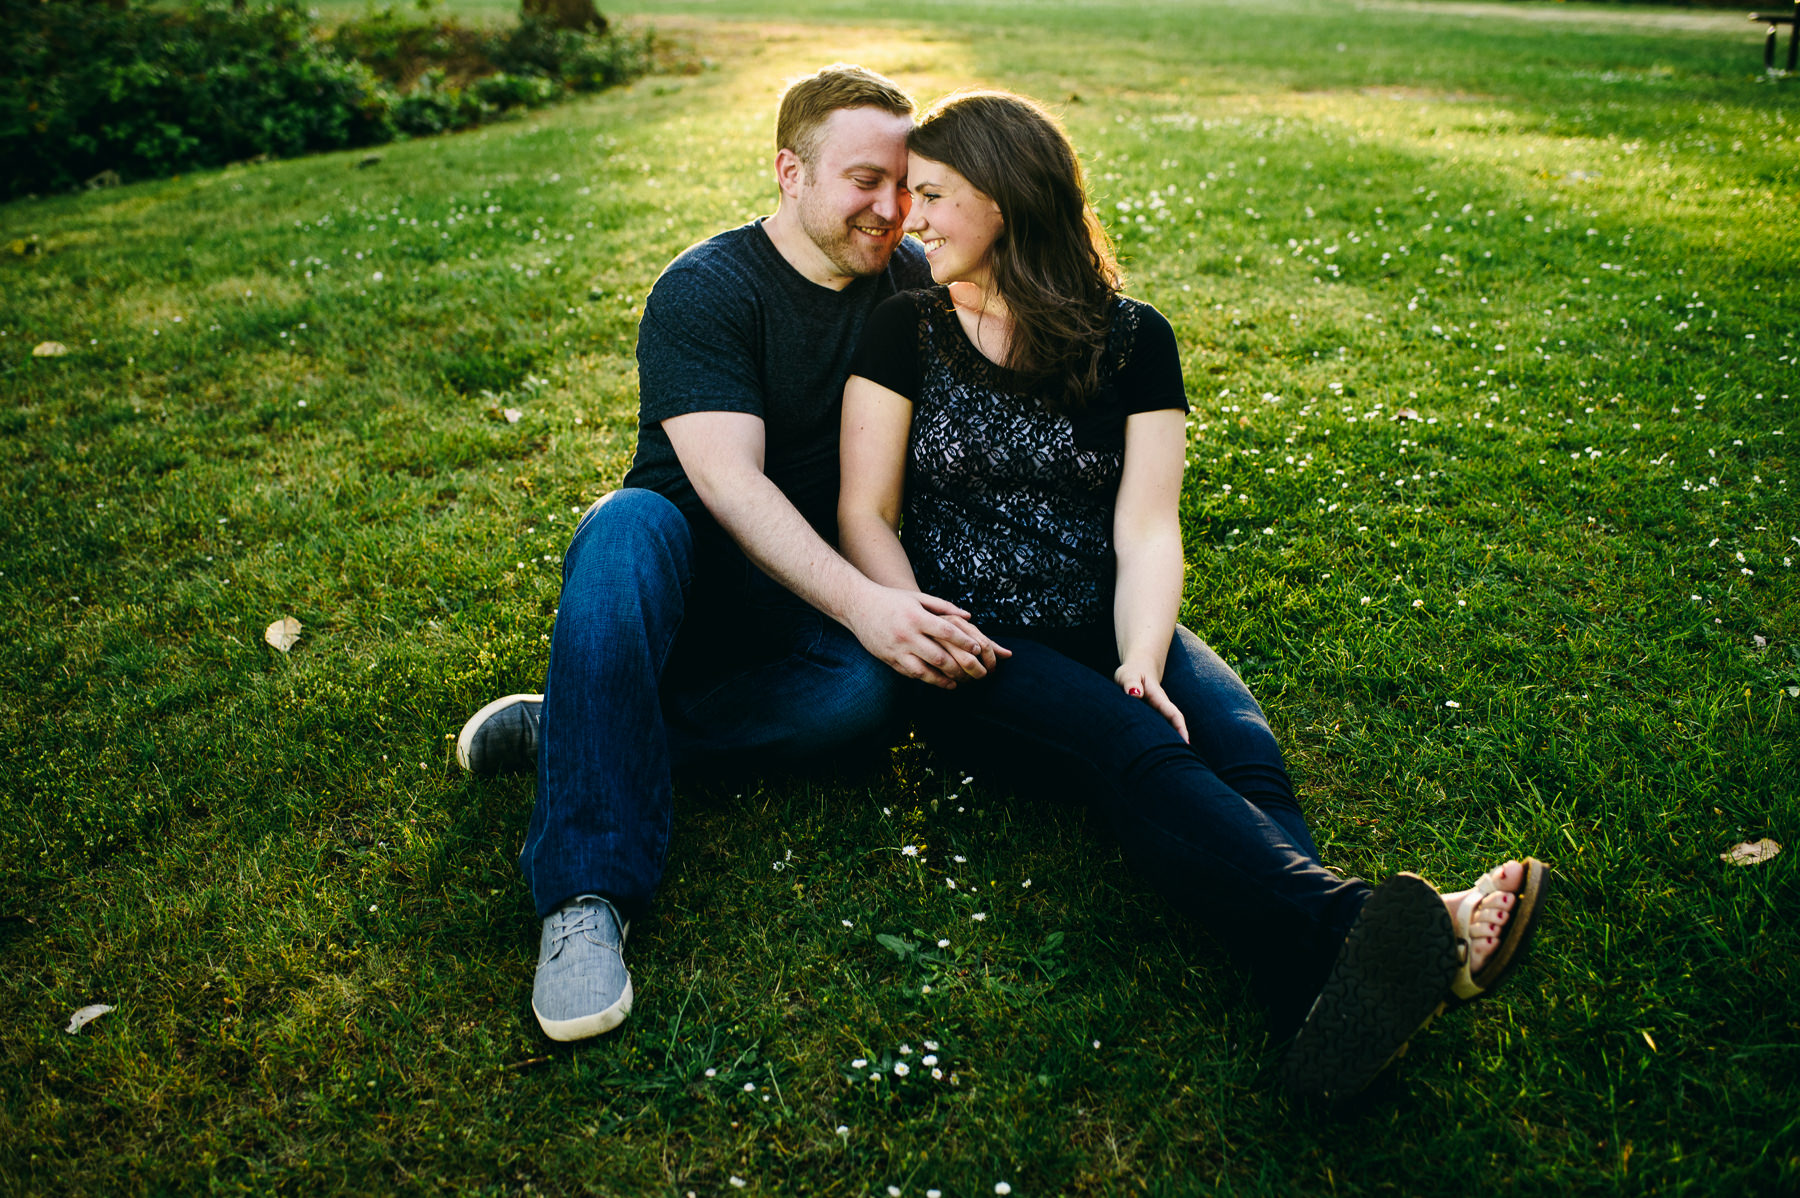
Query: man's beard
(847,250)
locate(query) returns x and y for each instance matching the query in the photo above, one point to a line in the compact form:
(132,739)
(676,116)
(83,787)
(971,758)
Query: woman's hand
(1141,682)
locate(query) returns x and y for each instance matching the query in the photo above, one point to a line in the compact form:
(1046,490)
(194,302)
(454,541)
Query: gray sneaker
(502,738)
(582,987)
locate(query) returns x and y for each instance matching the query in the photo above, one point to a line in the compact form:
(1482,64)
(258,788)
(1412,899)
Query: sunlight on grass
(1488,323)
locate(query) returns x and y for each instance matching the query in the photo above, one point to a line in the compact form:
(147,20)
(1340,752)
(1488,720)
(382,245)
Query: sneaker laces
(585,917)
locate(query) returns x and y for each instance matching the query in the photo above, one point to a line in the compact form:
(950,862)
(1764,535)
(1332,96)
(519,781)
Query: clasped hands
(925,637)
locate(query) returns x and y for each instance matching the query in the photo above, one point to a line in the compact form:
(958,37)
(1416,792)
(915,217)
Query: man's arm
(918,635)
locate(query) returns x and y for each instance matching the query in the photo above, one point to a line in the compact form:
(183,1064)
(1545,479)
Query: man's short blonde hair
(808,103)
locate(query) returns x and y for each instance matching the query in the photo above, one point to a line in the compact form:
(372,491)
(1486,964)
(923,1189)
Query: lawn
(1488,320)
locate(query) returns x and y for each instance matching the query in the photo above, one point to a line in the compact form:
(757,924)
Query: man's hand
(924,637)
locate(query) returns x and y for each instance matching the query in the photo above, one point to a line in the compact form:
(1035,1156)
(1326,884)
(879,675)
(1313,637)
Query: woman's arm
(872,458)
(1147,542)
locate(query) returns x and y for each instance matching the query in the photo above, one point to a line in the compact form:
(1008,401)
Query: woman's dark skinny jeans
(1212,825)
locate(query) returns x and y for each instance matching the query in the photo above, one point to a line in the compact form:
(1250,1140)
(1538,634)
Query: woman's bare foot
(1491,912)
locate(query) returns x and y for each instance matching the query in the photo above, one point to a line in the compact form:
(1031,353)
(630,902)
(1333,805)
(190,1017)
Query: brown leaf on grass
(49,349)
(283,633)
(1750,854)
(86,1016)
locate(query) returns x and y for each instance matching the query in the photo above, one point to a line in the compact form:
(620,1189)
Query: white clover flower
(859,1063)
(893,1192)
(1365,601)
(749,1087)
(846,923)
(738,1183)
(979,916)
(928,1059)
(1001,1187)
(712,1073)
(843,1130)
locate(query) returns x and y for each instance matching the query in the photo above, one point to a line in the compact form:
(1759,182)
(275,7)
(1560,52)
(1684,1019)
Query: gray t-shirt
(731,326)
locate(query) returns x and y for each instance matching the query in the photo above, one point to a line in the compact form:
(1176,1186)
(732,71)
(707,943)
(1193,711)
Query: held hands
(1140,682)
(924,637)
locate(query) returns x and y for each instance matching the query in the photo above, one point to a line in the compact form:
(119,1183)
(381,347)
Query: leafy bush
(514,91)
(436,106)
(86,87)
(401,50)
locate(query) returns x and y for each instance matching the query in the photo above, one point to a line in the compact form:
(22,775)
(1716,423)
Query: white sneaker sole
(467,736)
(587,1025)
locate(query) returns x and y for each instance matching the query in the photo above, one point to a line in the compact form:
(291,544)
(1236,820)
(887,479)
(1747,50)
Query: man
(705,615)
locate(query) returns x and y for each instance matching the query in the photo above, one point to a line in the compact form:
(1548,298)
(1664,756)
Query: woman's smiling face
(957,223)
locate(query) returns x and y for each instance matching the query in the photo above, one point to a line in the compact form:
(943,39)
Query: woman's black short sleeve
(1151,380)
(888,353)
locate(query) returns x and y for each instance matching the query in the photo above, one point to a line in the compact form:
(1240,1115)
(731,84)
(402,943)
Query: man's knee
(632,529)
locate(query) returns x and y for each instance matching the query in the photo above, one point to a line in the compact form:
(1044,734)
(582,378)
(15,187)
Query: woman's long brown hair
(1053,264)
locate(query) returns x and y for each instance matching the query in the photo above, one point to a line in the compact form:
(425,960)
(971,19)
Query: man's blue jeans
(653,668)
(1212,825)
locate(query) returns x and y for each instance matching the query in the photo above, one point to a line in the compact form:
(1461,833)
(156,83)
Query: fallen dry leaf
(49,349)
(283,633)
(1750,854)
(1794,692)
(1761,642)
(86,1016)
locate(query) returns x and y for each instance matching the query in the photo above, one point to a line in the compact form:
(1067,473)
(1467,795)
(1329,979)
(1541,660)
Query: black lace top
(1008,509)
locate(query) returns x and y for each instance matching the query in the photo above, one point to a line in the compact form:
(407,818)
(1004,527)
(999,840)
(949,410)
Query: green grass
(310,924)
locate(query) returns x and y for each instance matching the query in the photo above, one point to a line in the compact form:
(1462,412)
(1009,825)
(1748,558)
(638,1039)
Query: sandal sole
(1389,980)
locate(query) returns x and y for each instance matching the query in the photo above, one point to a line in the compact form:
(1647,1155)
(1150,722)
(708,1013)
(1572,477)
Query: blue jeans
(653,667)
(1212,825)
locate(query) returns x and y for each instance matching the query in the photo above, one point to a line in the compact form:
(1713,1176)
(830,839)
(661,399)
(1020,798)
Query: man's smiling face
(852,197)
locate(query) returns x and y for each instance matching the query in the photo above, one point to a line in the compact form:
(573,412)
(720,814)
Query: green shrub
(609,61)
(86,87)
(504,91)
(400,49)
(437,106)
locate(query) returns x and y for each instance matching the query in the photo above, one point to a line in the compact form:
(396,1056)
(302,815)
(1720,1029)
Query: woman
(1029,422)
